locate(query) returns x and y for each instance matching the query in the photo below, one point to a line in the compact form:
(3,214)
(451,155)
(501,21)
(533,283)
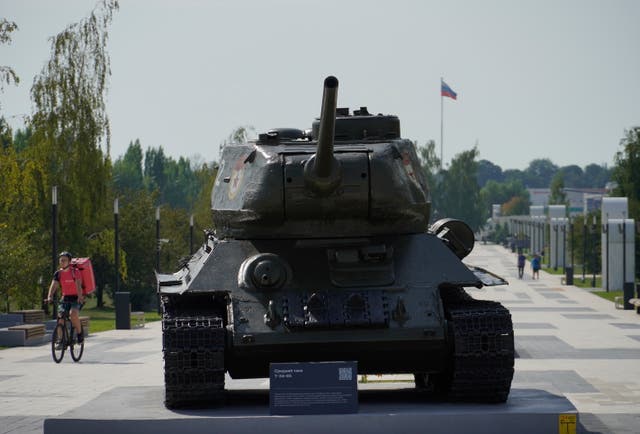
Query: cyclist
(68,279)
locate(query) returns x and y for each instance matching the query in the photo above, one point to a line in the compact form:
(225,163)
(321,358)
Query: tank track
(193,351)
(482,350)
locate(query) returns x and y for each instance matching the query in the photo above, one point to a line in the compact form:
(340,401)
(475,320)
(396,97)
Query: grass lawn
(608,295)
(104,318)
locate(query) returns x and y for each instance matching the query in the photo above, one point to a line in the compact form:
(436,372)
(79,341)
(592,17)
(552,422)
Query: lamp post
(54,238)
(593,254)
(158,239)
(191,234)
(116,255)
(122,299)
(564,246)
(159,304)
(571,239)
(555,238)
(605,230)
(584,245)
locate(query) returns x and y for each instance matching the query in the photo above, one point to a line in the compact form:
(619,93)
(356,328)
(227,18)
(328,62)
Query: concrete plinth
(383,410)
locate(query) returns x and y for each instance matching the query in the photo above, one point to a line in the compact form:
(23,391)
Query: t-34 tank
(322,251)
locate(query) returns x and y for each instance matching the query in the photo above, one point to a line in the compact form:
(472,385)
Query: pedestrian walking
(521,261)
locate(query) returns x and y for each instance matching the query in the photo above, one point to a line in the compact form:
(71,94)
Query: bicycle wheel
(58,342)
(76,348)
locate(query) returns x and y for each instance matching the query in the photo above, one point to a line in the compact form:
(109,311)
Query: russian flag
(445,90)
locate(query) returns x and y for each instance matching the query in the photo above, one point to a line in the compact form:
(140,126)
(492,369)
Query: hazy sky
(535,79)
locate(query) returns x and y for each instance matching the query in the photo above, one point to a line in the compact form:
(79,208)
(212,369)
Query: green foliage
(100,248)
(137,239)
(127,169)
(511,194)
(70,123)
(558,196)
(21,240)
(626,174)
(459,193)
(539,173)
(499,233)
(7,74)
(430,164)
(176,182)
(487,171)
(595,176)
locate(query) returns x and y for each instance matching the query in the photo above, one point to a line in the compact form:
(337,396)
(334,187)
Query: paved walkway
(569,342)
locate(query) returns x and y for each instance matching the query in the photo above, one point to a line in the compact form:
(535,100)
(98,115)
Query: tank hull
(387,302)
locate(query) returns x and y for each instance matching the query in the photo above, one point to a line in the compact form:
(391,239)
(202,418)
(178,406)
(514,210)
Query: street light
(191,234)
(158,239)
(54,239)
(584,245)
(593,253)
(555,238)
(116,258)
(564,246)
(605,230)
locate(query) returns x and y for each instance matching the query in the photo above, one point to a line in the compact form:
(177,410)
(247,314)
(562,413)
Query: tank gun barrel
(324,153)
(323,171)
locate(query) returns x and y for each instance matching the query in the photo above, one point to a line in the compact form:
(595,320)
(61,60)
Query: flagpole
(441,124)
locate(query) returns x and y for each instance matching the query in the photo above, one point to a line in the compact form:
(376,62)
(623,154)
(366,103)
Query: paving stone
(587,316)
(533,325)
(626,325)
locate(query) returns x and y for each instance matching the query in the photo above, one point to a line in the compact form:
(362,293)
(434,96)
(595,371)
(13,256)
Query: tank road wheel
(482,352)
(193,349)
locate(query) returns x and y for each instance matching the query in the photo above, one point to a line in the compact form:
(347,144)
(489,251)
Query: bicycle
(64,336)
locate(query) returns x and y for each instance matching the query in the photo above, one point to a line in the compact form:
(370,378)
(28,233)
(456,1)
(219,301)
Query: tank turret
(353,175)
(321,250)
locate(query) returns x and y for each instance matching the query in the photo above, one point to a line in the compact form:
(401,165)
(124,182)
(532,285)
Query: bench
(10,319)
(85,321)
(21,335)
(619,302)
(30,330)
(139,319)
(31,316)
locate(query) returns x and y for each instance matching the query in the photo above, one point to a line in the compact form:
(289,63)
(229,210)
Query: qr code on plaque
(344,374)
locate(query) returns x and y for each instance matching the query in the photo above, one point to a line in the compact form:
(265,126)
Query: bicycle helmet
(65,253)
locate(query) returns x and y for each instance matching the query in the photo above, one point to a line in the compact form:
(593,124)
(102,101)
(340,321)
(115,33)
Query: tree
(573,176)
(137,239)
(487,171)
(22,139)
(127,170)
(539,173)
(70,124)
(154,170)
(596,176)
(21,240)
(515,175)
(517,205)
(512,195)
(430,164)
(557,196)
(7,74)
(626,172)
(460,191)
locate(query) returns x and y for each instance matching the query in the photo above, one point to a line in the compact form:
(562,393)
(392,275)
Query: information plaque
(313,388)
